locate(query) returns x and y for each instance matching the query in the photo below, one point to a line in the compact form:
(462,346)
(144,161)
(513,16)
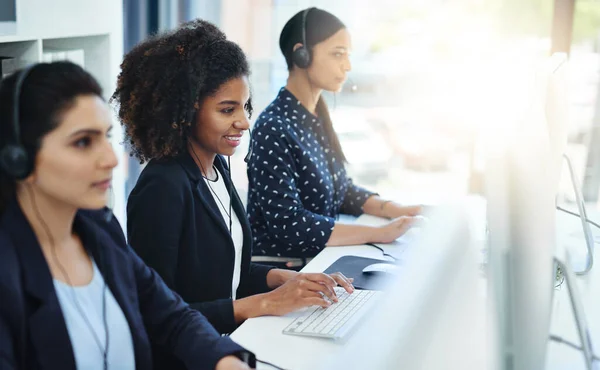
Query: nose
(347,65)
(108,158)
(242,123)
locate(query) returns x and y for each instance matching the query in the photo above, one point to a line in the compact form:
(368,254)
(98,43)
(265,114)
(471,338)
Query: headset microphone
(250,145)
(108,213)
(353,86)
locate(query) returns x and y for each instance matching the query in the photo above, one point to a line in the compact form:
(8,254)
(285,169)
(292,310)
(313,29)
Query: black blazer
(175,225)
(33,333)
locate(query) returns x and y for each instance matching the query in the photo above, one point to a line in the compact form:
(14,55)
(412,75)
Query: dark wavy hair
(164,81)
(47,92)
(320,25)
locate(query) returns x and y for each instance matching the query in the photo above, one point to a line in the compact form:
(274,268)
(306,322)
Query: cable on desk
(269,364)
(558,339)
(382,251)
(577,215)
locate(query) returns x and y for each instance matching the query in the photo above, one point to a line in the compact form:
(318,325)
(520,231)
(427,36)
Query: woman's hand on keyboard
(305,289)
(343,281)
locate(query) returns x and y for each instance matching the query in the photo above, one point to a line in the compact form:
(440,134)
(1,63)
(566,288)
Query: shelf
(14,38)
(26,51)
(97,59)
(96,27)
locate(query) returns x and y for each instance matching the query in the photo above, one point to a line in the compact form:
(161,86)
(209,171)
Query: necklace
(208,181)
(217,196)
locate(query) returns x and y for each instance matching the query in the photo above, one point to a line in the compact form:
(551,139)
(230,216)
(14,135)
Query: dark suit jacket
(33,333)
(175,225)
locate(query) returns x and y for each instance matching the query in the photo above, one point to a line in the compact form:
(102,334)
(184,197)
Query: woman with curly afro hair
(184,100)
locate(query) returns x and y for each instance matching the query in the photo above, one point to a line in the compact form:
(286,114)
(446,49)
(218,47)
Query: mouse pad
(352,266)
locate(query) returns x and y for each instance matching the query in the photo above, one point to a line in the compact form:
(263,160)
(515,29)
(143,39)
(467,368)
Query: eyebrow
(89,131)
(229,102)
(341,48)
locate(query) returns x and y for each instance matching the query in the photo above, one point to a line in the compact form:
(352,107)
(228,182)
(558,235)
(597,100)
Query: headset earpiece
(301,56)
(15,161)
(14,158)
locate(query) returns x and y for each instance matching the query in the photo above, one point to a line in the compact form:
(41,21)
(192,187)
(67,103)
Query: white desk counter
(264,337)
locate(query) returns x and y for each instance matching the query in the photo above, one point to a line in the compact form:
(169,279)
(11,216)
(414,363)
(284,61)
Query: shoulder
(272,127)
(8,254)
(272,115)
(164,169)
(10,275)
(106,221)
(161,176)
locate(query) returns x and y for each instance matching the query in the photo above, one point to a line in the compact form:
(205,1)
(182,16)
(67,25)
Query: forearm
(376,206)
(346,234)
(249,307)
(278,277)
(255,281)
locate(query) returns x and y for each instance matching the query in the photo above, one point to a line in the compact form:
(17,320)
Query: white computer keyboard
(337,320)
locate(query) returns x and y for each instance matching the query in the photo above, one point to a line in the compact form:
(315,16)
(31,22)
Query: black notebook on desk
(352,266)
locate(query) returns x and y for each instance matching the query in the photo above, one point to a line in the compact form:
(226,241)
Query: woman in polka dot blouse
(298,183)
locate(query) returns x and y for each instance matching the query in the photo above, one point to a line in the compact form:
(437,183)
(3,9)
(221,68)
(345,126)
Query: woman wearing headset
(298,183)
(74,295)
(184,102)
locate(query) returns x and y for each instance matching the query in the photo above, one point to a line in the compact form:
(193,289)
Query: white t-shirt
(221,195)
(88,355)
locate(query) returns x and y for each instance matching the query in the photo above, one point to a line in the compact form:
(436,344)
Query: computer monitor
(581,264)
(520,197)
(554,84)
(433,316)
(553,89)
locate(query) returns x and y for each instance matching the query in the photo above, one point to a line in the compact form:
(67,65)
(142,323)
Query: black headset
(14,159)
(301,56)
(250,148)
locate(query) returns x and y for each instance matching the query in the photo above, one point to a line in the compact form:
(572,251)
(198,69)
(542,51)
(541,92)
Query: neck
(47,215)
(203,158)
(299,84)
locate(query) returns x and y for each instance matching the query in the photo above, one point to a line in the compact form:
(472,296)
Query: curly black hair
(164,81)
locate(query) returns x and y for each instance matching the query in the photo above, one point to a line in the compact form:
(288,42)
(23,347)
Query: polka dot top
(297,182)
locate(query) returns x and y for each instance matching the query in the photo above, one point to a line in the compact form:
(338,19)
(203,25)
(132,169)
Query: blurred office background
(423,71)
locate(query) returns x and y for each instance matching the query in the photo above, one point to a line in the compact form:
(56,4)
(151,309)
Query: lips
(103,185)
(233,140)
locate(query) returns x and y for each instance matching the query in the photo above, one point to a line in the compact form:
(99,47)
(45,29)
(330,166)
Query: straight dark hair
(320,25)
(48,91)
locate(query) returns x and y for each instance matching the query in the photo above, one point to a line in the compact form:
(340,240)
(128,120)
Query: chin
(227,152)
(335,87)
(94,206)
(94,203)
